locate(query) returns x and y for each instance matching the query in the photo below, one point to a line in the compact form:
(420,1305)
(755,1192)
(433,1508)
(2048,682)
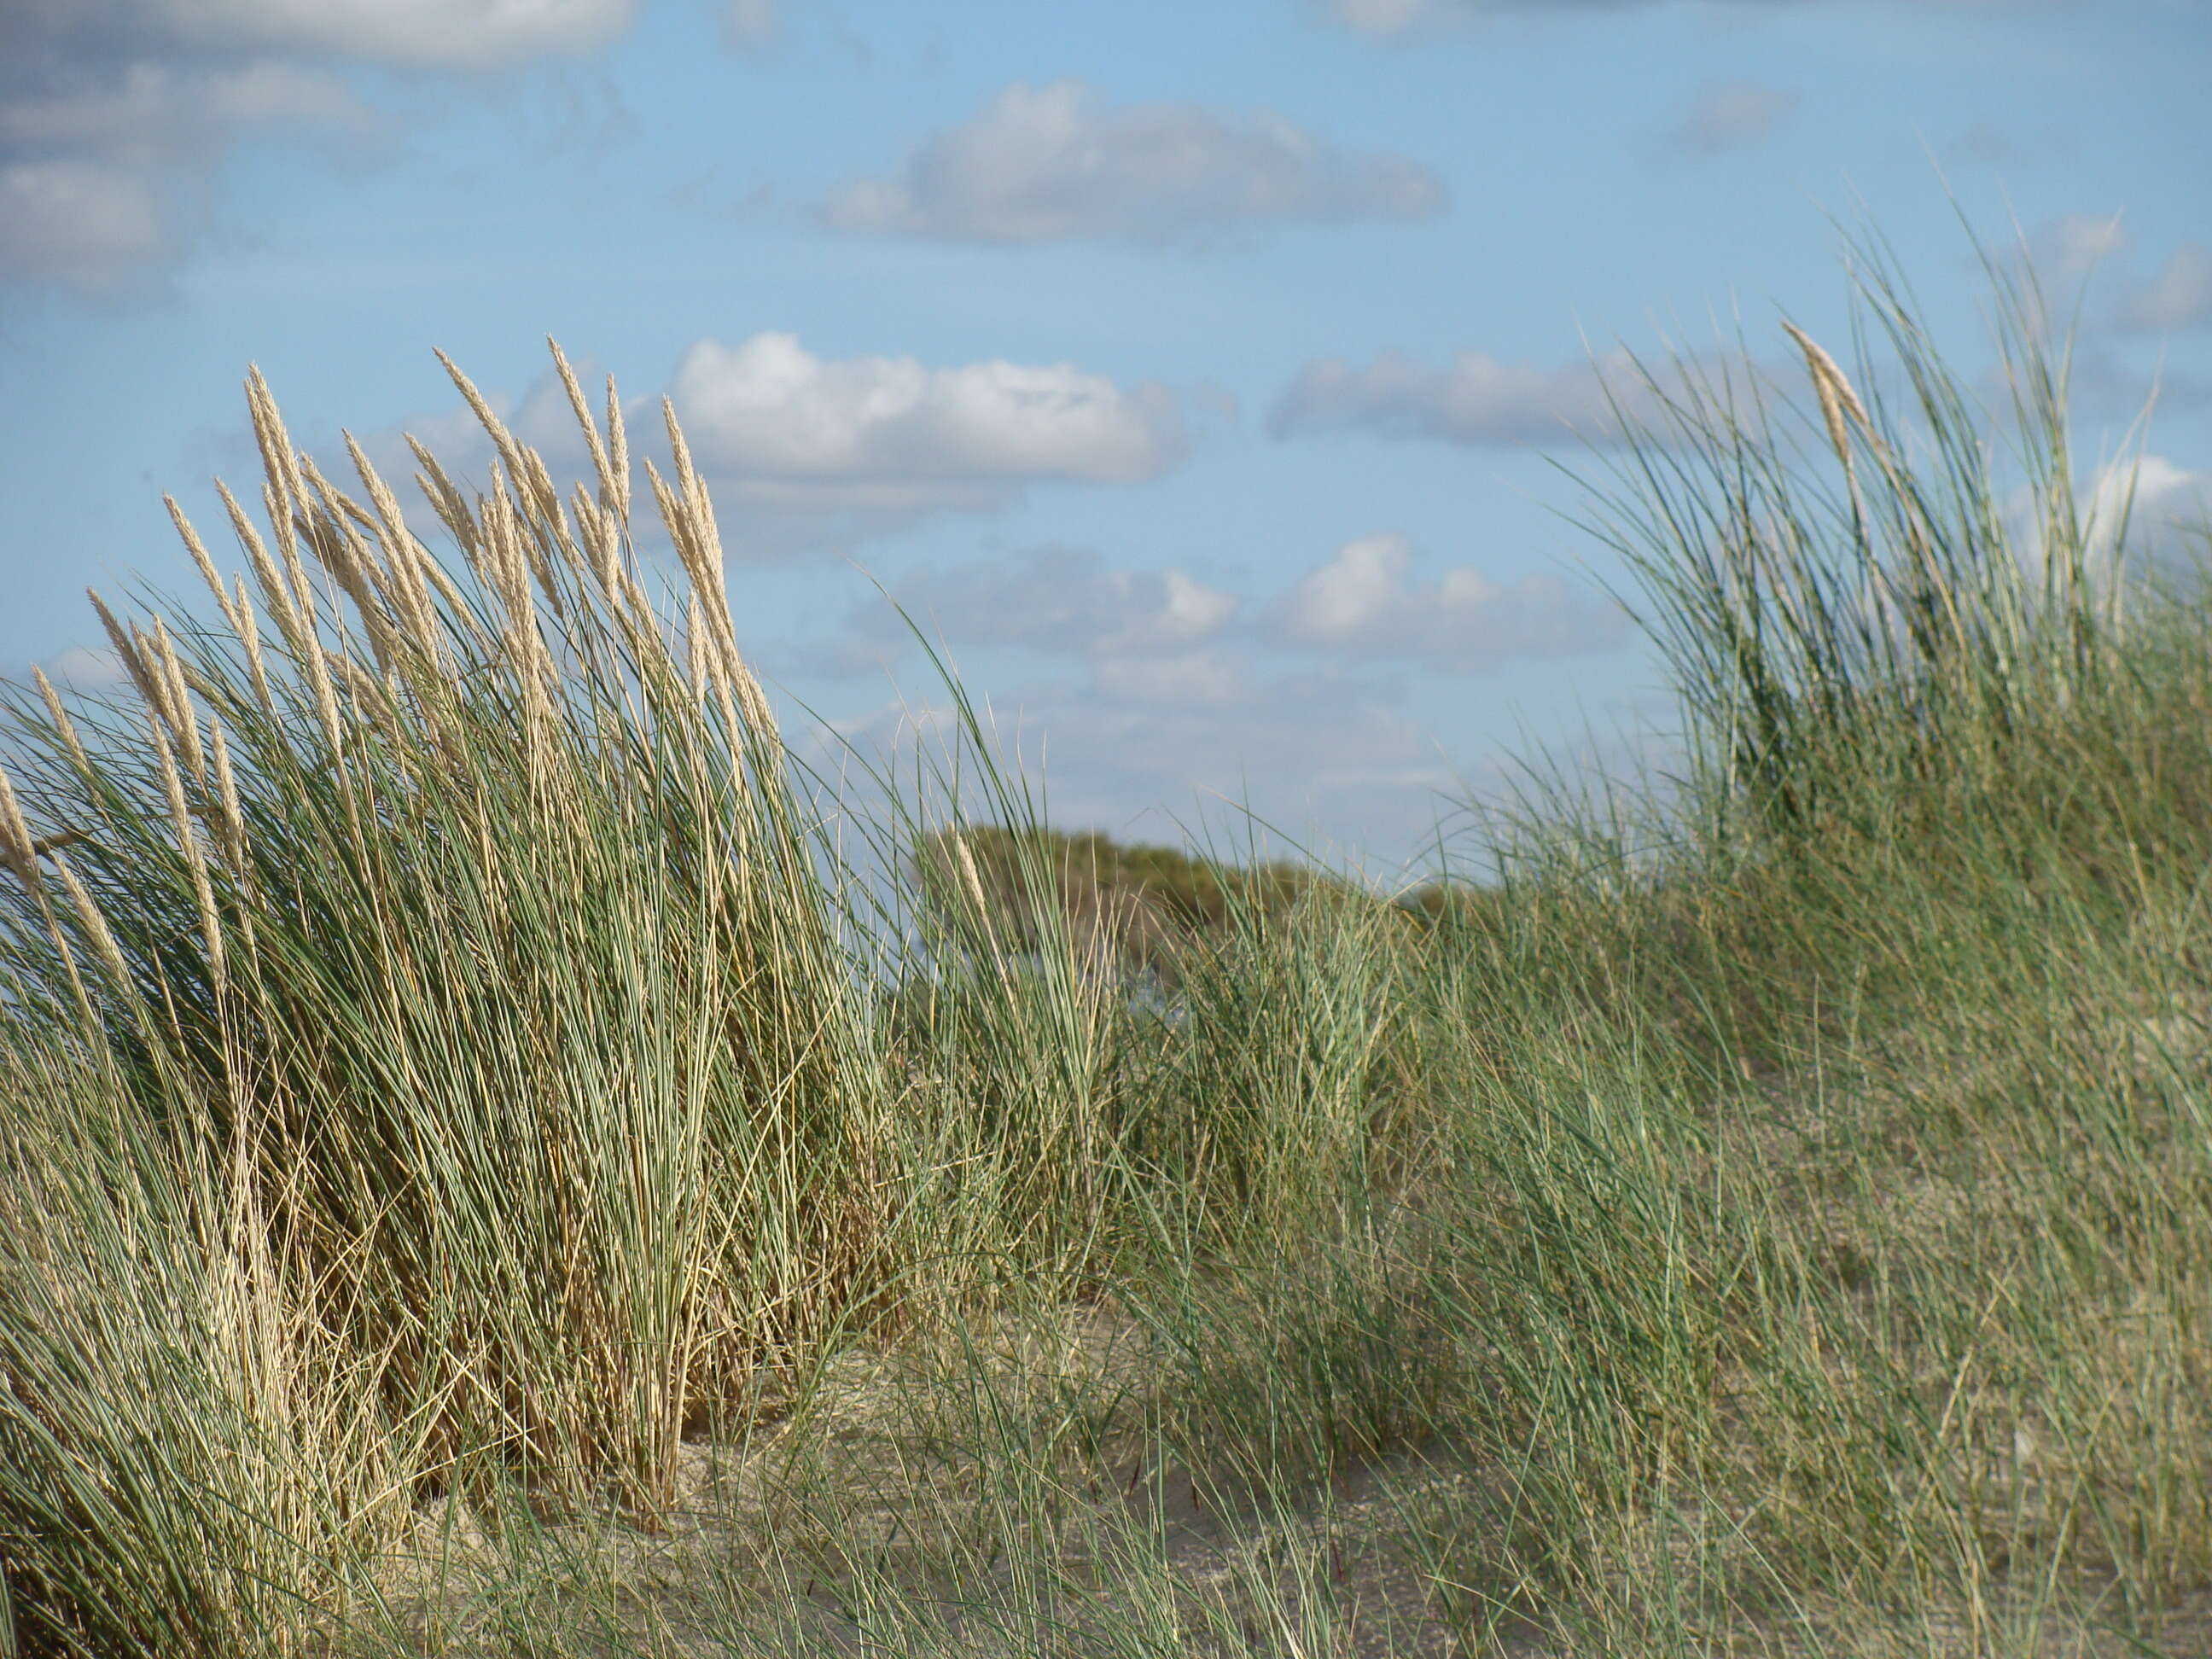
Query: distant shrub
(1118,908)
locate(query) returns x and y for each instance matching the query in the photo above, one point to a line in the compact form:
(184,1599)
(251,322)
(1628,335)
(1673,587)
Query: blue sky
(1196,373)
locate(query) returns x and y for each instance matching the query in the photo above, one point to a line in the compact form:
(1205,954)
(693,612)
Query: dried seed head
(18,849)
(232,819)
(103,937)
(618,454)
(601,464)
(694,644)
(509,451)
(199,550)
(279,460)
(64,727)
(1834,391)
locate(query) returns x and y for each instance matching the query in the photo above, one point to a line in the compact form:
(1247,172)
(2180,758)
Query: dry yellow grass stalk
(18,846)
(274,594)
(188,842)
(279,460)
(182,720)
(402,558)
(346,557)
(694,644)
(125,652)
(63,725)
(602,464)
(249,634)
(618,453)
(509,451)
(230,818)
(103,938)
(281,509)
(1833,390)
(200,559)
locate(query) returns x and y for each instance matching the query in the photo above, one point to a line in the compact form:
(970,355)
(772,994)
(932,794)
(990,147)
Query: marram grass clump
(437,956)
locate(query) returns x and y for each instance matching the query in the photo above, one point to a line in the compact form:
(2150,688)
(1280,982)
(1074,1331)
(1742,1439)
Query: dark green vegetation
(467,1189)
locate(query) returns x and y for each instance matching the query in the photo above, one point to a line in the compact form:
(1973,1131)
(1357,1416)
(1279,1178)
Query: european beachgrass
(494,1162)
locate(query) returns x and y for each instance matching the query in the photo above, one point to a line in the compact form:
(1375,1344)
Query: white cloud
(1057,163)
(890,437)
(1473,400)
(114,114)
(2179,296)
(1732,116)
(1058,600)
(1363,604)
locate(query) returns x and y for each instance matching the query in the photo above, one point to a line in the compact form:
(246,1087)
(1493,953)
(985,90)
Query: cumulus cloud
(1364,603)
(114,114)
(1730,116)
(1058,163)
(1473,399)
(2178,297)
(769,407)
(1065,600)
(879,441)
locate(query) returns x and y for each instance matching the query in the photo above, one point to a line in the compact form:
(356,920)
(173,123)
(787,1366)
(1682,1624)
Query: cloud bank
(1363,604)
(114,114)
(1471,398)
(1060,600)
(1159,695)
(1057,163)
(1163,635)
